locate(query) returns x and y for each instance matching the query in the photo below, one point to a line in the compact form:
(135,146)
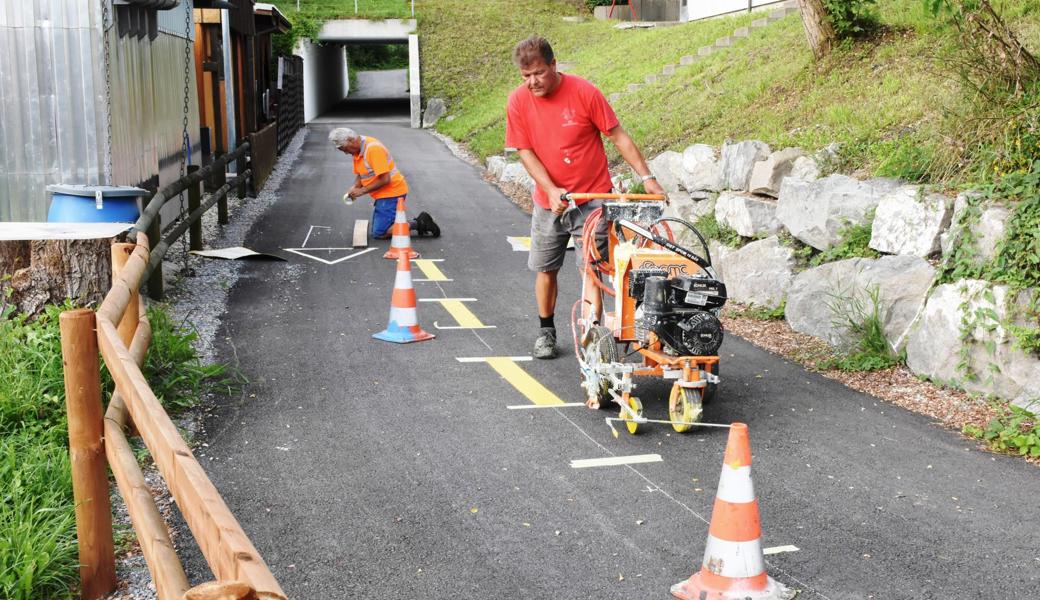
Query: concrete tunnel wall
(326,78)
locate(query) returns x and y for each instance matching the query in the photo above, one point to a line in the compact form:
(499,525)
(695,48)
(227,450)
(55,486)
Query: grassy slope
(332,9)
(884,100)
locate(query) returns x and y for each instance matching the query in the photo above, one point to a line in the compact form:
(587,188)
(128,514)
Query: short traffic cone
(404,321)
(734,566)
(401,235)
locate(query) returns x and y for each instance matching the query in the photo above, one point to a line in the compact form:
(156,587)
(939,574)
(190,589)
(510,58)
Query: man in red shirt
(555,121)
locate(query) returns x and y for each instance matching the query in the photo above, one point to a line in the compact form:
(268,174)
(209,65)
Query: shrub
(851,18)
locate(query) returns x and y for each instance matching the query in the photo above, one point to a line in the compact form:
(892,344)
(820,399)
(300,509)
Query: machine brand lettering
(673,269)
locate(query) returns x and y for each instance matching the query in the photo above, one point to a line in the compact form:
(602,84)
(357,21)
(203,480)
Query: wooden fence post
(154,233)
(194,201)
(128,324)
(221,590)
(79,351)
(219,179)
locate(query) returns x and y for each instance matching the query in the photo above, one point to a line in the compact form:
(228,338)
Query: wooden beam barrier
(163,564)
(128,324)
(79,350)
(221,590)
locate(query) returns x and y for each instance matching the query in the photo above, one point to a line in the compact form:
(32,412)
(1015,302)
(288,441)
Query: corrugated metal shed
(53,101)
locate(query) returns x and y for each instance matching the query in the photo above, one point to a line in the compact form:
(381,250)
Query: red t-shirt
(563,129)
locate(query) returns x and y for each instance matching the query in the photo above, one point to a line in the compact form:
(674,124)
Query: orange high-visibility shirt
(372,161)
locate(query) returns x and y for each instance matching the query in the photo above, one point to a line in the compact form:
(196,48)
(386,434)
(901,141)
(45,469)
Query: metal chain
(106,24)
(185,140)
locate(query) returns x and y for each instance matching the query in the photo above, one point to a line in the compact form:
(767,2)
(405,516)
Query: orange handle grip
(622,197)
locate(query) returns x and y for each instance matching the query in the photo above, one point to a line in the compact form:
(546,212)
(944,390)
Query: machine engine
(682,312)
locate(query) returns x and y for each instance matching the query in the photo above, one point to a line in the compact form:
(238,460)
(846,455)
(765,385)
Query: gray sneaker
(545,345)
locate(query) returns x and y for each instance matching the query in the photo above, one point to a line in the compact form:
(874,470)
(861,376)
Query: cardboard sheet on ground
(61,231)
(236,253)
(523,244)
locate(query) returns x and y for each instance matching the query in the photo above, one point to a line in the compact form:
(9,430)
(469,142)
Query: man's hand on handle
(556,203)
(652,187)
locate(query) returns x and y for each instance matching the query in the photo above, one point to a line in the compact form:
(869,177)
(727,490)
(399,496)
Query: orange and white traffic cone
(404,320)
(401,235)
(734,566)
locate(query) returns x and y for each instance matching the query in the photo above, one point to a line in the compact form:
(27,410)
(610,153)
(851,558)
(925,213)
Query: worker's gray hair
(342,135)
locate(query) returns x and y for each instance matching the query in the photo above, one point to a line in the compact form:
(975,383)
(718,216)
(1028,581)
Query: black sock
(547,321)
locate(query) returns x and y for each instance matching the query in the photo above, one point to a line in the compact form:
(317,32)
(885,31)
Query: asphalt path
(362,469)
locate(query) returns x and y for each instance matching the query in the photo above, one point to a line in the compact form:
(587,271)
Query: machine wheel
(599,349)
(684,407)
(637,407)
(711,388)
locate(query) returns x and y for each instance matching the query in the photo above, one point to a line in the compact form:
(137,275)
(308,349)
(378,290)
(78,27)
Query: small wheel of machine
(712,388)
(599,349)
(637,407)
(684,407)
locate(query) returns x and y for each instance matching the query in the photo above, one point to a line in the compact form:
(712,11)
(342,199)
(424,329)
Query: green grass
(344,9)
(38,555)
(887,99)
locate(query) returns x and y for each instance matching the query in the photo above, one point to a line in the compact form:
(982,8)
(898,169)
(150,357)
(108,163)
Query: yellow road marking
(462,315)
(430,269)
(522,381)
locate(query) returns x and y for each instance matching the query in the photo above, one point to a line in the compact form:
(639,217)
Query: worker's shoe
(545,344)
(424,225)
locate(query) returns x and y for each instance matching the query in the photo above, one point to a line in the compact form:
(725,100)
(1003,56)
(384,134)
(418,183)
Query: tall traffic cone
(404,321)
(401,235)
(734,566)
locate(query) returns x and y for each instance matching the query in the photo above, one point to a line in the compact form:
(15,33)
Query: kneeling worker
(377,175)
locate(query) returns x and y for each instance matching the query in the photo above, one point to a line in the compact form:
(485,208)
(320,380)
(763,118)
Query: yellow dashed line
(522,381)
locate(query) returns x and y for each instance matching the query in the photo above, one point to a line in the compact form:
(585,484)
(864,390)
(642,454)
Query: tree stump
(36,273)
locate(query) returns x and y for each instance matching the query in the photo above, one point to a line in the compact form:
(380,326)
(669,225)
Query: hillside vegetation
(893,99)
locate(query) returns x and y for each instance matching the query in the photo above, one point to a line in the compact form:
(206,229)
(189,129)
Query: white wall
(326,78)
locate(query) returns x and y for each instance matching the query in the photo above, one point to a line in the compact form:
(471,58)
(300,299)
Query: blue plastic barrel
(94,203)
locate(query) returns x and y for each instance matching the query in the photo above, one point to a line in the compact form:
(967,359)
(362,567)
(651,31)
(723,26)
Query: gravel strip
(199,301)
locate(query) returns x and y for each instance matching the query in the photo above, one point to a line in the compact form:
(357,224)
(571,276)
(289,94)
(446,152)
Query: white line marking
(322,260)
(436,326)
(442,299)
(309,233)
(525,406)
(610,461)
(347,248)
(479,359)
(779,549)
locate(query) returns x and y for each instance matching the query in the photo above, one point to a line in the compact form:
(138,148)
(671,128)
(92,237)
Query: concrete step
(705,50)
(686,60)
(724,42)
(650,79)
(634,87)
(759,23)
(614,97)
(743,32)
(668,70)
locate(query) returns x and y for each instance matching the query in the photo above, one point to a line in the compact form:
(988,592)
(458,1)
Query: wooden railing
(120,330)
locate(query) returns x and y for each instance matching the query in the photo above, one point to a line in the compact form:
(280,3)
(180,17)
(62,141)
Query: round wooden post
(194,201)
(128,324)
(79,352)
(221,590)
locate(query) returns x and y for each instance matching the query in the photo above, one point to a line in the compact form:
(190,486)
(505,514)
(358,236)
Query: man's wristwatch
(645,178)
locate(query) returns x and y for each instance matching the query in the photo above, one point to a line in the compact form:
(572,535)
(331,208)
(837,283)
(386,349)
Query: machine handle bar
(571,196)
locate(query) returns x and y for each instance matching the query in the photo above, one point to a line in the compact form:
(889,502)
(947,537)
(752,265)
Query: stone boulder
(988,230)
(955,342)
(805,169)
(822,299)
(759,273)
(767,174)
(701,172)
(815,212)
(910,221)
(667,167)
(435,109)
(683,206)
(747,215)
(515,172)
(496,165)
(738,160)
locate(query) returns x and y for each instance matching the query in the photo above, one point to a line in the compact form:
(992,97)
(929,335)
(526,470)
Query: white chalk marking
(611,461)
(304,245)
(779,549)
(526,406)
(322,260)
(480,359)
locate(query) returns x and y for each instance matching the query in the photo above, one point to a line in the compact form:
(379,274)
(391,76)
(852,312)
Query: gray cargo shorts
(550,232)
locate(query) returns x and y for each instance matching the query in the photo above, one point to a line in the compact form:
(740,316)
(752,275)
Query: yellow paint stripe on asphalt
(462,315)
(430,269)
(522,381)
